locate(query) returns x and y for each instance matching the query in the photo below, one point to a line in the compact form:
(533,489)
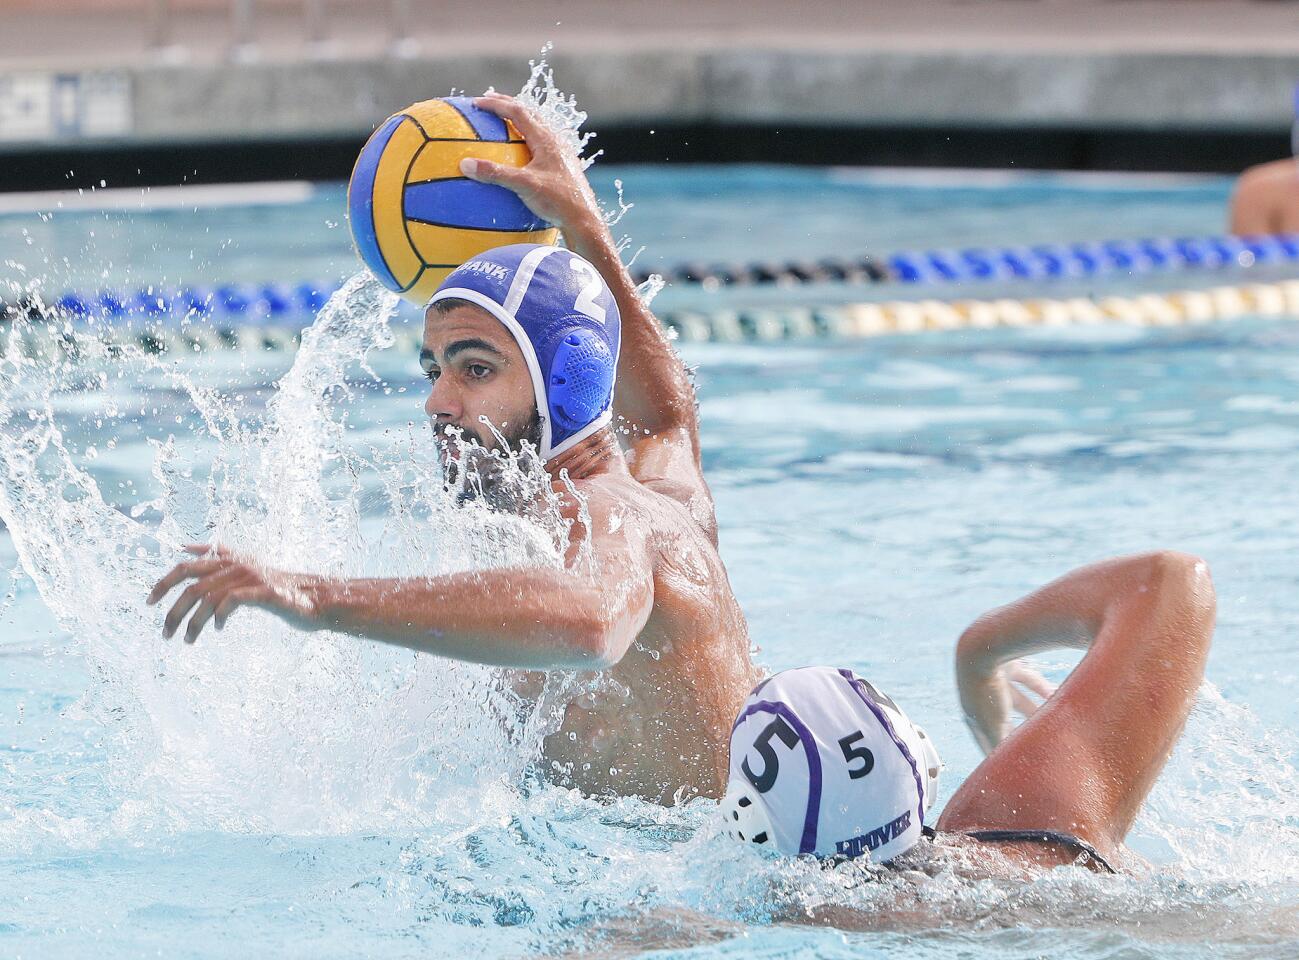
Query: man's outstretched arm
(527,617)
(654,395)
(1084,762)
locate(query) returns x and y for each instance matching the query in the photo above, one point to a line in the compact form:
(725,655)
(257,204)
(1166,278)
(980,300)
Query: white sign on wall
(64,106)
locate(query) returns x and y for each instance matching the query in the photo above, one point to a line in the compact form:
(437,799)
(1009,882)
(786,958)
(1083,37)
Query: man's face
(476,370)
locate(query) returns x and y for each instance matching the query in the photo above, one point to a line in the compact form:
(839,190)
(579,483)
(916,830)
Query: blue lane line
(253,303)
(246,303)
(1098,258)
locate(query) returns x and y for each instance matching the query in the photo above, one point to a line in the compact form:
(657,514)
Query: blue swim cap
(566,322)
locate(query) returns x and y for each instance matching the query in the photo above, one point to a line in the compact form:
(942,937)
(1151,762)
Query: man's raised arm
(654,394)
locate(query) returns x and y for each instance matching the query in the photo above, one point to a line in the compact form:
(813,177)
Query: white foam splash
(556,109)
(1226,807)
(260,727)
(559,111)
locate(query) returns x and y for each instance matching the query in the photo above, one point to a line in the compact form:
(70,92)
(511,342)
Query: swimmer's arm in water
(583,617)
(1085,761)
(654,395)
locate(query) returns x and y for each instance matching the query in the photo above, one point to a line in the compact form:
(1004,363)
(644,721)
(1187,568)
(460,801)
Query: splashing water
(559,112)
(261,727)
(1227,806)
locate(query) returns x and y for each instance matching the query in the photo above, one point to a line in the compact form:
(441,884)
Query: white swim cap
(823,763)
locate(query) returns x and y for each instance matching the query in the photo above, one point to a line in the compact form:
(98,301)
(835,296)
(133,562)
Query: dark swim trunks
(1081,848)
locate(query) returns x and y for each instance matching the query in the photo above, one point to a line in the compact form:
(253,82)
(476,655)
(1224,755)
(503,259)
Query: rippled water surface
(266,792)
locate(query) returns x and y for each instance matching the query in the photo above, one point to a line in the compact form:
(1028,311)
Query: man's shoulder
(660,504)
(1274,178)
(694,501)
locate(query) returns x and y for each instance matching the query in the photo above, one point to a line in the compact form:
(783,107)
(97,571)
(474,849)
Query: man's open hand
(223,583)
(1024,680)
(552,184)
(990,700)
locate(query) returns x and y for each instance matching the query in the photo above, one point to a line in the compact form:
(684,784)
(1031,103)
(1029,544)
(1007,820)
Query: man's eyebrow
(427,358)
(460,346)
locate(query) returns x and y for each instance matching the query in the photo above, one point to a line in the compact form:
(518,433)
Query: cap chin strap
(592,428)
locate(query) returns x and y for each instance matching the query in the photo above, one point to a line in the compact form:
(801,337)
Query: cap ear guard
(931,765)
(581,379)
(744,815)
(927,760)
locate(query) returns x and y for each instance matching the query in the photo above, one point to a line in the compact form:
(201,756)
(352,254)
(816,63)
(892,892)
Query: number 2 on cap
(585,302)
(764,781)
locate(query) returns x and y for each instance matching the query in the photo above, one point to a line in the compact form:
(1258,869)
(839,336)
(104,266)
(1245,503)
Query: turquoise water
(263,792)
(677,214)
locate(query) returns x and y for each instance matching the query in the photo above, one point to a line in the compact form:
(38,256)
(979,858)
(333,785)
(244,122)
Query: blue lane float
(1047,261)
(1051,261)
(246,304)
(231,304)
(728,325)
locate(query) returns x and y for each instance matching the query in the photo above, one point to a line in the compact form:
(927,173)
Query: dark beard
(482,473)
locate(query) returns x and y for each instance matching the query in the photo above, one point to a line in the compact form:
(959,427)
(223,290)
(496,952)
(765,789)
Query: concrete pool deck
(88,75)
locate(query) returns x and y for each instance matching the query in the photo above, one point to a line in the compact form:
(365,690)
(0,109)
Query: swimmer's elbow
(1181,574)
(593,650)
(595,643)
(973,652)
(1181,589)
(603,623)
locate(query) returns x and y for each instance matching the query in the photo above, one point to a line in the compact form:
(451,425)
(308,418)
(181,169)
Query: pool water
(126,239)
(312,796)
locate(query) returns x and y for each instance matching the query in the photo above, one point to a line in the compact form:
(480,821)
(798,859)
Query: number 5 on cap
(764,781)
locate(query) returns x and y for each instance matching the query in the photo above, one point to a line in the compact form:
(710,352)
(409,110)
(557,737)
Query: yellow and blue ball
(414,217)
